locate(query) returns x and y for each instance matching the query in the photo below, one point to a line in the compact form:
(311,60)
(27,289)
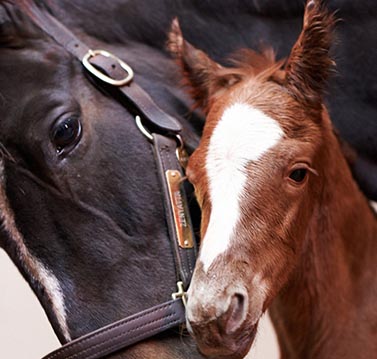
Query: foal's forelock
(34,267)
(242,136)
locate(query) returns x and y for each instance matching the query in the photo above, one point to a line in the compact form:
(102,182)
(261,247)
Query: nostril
(236,313)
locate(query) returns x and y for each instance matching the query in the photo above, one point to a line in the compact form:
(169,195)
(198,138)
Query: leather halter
(115,76)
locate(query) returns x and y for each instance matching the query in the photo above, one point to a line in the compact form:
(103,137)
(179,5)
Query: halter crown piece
(117,77)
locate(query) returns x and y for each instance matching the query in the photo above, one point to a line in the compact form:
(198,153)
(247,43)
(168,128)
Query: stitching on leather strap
(112,327)
(135,337)
(120,335)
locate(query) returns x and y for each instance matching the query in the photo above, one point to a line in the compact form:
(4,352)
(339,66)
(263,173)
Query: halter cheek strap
(116,77)
(175,203)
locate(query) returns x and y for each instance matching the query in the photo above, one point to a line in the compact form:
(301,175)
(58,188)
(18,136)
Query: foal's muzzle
(219,324)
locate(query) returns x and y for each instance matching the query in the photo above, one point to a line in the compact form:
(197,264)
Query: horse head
(81,202)
(257,172)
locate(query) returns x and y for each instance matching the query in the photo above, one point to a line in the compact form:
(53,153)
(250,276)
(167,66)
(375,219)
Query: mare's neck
(328,309)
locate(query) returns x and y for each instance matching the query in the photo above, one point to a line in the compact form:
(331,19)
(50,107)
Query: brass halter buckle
(101,75)
(181,293)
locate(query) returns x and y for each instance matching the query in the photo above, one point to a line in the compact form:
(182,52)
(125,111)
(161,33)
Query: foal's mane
(243,64)
(249,63)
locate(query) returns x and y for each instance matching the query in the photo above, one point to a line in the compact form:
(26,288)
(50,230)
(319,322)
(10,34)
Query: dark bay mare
(81,202)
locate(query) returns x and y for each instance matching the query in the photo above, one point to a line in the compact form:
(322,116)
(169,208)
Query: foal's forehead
(242,134)
(244,131)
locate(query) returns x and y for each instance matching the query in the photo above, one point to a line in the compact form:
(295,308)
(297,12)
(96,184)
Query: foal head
(256,172)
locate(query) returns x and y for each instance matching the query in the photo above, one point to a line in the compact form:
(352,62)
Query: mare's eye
(298,175)
(65,134)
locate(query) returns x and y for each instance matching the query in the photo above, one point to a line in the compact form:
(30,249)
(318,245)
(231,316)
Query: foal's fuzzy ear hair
(204,76)
(309,63)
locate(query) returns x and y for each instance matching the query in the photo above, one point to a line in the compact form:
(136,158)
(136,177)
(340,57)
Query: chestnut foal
(284,225)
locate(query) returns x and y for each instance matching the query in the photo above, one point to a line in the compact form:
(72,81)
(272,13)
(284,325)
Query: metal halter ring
(101,75)
(142,129)
(179,138)
(180,152)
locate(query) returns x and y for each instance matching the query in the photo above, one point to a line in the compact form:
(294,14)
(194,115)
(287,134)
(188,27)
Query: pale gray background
(26,334)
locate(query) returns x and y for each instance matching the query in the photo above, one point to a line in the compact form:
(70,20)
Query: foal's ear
(309,63)
(204,76)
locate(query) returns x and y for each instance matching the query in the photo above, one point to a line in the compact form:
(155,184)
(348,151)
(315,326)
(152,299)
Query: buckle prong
(181,293)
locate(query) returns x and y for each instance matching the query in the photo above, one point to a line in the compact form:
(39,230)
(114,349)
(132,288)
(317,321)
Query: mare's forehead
(14,25)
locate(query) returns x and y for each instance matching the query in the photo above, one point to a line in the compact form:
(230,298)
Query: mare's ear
(204,77)
(309,63)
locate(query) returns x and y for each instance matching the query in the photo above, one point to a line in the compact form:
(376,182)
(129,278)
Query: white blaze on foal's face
(243,134)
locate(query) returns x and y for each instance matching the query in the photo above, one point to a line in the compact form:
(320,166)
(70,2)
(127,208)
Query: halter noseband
(116,77)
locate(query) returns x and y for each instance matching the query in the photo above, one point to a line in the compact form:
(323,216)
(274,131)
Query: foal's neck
(329,308)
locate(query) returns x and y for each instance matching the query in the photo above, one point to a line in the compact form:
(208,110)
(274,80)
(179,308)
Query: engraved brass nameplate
(180,209)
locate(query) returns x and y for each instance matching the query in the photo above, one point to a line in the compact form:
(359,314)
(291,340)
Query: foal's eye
(298,175)
(65,134)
